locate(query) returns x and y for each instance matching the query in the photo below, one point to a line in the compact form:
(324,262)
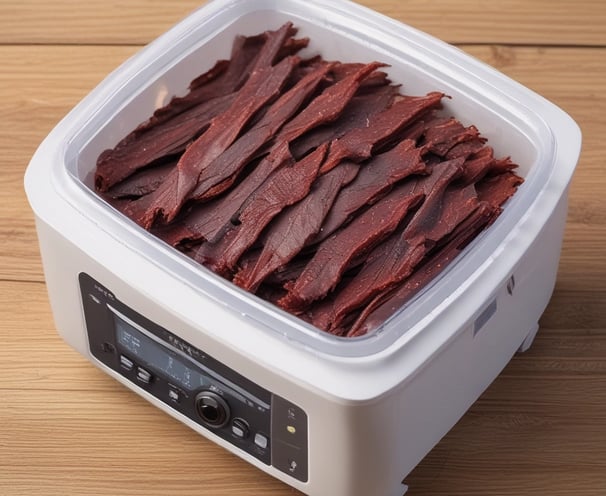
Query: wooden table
(67,428)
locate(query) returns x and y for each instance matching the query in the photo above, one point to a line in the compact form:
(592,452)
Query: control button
(108,347)
(261,440)
(126,363)
(174,394)
(143,375)
(239,428)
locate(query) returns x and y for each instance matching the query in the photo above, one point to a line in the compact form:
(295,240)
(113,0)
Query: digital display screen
(157,358)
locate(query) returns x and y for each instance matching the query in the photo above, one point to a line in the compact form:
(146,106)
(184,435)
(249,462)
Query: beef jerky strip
(377,78)
(502,165)
(221,173)
(284,187)
(395,259)
(360,143)
(442,135)
(466,149)
(166,201)
(374,179)
(476,167)
(224,78)
(173,126)
(208,220)
(496,190)
(166,138)
(387,303)
(332,258)
(248,53)
(355,114)
(293,227)
(142,182)
(327,106)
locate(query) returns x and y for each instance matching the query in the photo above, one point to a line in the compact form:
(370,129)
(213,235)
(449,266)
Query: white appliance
(329,416)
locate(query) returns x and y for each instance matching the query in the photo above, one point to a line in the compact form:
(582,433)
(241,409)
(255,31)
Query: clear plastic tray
(509,115)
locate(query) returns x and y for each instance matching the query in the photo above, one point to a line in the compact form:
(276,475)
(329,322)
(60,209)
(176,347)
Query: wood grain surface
(67,428)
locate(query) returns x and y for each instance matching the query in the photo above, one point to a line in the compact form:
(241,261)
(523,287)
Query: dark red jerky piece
(389,302)
(142,182)
(395,259)
(428,216)
(333,256)
(224,78)
(285,187)
(208,220)
(442,135)
(277,44)
(211,94)
(502,165)
(478,165)
(288,272)
(292,46)
(354,115)
(388,264)
(496,190)
(377,78)
(466,149)
(167,200)
(177,105)
(248,54)
(458,203)
(359,144)
(374,179)
(242,150)
(166,138)
(327,106)
(290,231)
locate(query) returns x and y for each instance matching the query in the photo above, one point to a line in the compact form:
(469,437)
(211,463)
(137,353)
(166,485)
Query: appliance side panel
(389,437)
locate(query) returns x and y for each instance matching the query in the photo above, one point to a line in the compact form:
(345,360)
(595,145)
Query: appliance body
(325,415)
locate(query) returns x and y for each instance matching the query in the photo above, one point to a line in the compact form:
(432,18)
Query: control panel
(215,396)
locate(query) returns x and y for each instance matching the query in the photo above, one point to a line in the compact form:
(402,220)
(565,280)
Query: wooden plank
(539,22)
(38,87)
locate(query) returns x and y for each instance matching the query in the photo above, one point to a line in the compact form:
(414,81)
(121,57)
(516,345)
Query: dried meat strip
(389,302)
(375,178)
(496,190)
(208,220)
(442,135)
(355,115)
(166,201)
(477,166)
(142,182)
(166,138)
(327,106)
(220,174)
(248,53)
(360,143)
(394,260)
(334,255)
(285,187)
(290,231)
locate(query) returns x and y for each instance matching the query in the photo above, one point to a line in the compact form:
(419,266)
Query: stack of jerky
(316,185)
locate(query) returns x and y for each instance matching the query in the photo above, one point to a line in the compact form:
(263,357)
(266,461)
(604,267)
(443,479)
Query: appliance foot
(527,343)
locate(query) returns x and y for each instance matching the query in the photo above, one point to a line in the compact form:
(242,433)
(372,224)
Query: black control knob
(212,409)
